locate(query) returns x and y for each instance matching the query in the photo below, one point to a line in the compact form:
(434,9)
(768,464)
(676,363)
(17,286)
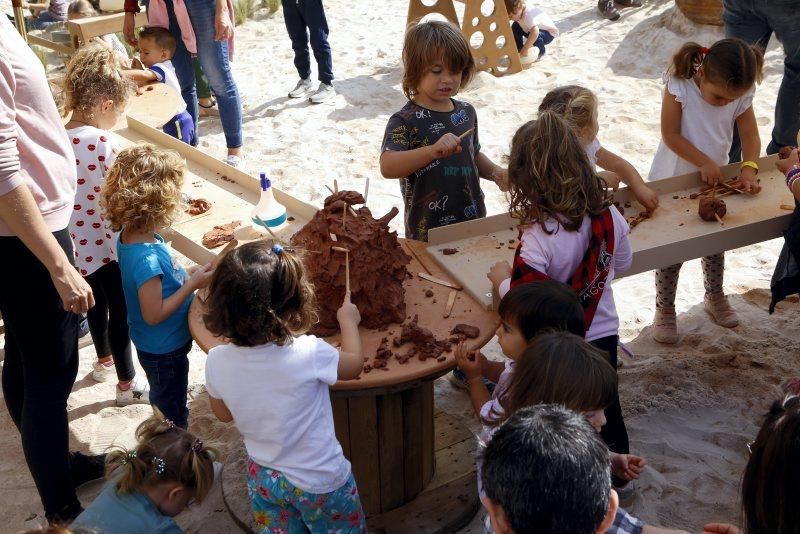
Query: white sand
(690,409)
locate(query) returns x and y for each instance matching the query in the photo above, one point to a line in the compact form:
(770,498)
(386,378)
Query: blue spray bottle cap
(265,182)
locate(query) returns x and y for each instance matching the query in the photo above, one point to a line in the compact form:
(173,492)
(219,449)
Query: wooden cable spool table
(385,419)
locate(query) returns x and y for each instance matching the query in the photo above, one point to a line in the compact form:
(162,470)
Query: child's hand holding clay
(499,272)
(627,466)
(468,361)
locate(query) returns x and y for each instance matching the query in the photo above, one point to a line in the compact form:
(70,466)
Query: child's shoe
(718,307)
(234,161)
(665,326)
(302,88)
(459,380)
(103,371)
(138,392)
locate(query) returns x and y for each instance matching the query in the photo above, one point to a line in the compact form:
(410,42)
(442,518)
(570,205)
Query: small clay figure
(711,208)
(219,235)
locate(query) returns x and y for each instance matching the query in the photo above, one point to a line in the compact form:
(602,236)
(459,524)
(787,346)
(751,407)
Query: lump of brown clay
(377,263)
(712,207)
(219,235)
(423,339)
(785,152)
(198,206)
(449,251)
(466,330)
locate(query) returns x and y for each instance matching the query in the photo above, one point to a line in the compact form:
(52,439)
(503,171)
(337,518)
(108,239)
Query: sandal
(209,110)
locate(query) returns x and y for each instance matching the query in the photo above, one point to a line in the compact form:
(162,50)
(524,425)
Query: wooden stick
(787,207)
(719,220)
(335,185)
(346,265)
(714,192)
(329,188)
(463,135)
(451,300)
(344,219)
(439,281)
(266,227)
(731,188)
(366,190)
(333,238)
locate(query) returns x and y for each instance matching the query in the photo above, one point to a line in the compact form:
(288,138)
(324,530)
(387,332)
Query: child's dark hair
(771,483)
(550,176)
(259,294)
(544,305)
(731,63)
(164,453)
(93,76)
(161,36)
(559,368)
(548,470)
(513,5)
(432,42)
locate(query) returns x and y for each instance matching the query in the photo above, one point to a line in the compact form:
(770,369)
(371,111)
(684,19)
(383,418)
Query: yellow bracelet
(750,164)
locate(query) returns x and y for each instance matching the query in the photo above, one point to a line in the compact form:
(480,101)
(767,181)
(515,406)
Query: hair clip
(197,446)
(277,249)
(159,465)
(705,50)
(169,423)
(129,457)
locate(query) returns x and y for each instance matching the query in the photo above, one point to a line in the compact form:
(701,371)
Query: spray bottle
(268,212)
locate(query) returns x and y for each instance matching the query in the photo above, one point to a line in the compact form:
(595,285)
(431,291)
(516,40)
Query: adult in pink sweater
(41,293)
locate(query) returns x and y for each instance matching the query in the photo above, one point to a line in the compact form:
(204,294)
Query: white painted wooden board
(233,193)
(674,234)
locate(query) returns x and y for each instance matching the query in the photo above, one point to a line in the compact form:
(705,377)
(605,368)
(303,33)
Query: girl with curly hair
(273,381)
(141,194)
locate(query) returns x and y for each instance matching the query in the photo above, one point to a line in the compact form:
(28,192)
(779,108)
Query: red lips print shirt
(94,241)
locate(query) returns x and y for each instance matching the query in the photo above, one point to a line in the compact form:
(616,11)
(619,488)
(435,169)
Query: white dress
(709,128)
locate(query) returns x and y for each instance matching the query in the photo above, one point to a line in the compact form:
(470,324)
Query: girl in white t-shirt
(274,384)
(709,92)
(96,92)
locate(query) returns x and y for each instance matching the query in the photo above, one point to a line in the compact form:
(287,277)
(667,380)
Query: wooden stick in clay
(346,266)
(366,191)
(335,185)
(451,300)
(344,220)
(719,220)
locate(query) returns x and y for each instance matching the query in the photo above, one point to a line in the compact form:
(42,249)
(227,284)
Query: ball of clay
(785,152)
(709,207)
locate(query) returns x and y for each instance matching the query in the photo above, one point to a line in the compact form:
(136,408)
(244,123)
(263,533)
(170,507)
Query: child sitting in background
(524,312)
(531,27)
(96,93)
(46,13)
(431,144)
(151,484)
(273,382)
(82,9)
(142,193)
(709,91)
(579,108)
(156,47)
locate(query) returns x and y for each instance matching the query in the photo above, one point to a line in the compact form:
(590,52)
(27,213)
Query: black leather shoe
(608,9)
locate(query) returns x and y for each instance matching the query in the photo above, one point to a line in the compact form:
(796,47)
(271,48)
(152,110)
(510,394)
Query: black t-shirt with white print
(447,190)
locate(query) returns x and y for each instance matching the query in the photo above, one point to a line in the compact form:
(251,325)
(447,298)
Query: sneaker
(83,327)
(302,88)
(608,9)
(459,380)
(718,307)
(102,372)
(234,161)
(85,468)
(137,393)
(324,93)
(665,326)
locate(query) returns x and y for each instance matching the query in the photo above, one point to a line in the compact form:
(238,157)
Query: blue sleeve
(159,72)
(146,268)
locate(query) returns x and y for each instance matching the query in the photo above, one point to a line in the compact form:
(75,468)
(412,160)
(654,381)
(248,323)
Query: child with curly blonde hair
(142,193)
(96,93)
(152,483)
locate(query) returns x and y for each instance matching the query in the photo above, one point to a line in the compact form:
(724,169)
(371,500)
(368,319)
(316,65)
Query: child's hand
(646,197)
(500,178)
(201,276)
(710,173)
(785,164)
(447,145)
(468,361)
(627,466)
(749,180)
(720,528)
(499,272)
(348,314)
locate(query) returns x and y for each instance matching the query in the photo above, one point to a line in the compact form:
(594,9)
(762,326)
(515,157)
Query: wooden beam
(52,45)
(84,29)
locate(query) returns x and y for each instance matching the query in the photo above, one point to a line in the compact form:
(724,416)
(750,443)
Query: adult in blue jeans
(212,27)
(754,21)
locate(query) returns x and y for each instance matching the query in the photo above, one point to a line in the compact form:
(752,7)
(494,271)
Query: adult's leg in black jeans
(784,18)
(107,283)
(519,35)
(314,15)
(40,367)
(296,28)
(614,433)
(98,316)
(168,375)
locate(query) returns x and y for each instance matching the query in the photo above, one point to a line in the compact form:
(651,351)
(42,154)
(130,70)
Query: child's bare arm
(351,356)
(489,171)
(786,165)
(220,410)
(141,77)
(155,309)
(629,176)
(401,163)
(671,116)
(751,146)
(532,36)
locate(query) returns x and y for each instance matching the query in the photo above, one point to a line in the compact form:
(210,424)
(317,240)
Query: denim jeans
(213,56)
(304,19)
(520,35)
(168,375)
(754,21)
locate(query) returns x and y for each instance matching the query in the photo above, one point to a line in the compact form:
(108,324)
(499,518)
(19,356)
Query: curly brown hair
(550,176)
(142,190)
(259,294)
(729,62)
(93,75)
(432,42)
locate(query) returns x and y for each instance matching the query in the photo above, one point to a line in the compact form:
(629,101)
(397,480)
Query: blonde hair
(93,75)
(164,453)
(428,43)
(550,176)
(84,8)
(576,104)
(142,190)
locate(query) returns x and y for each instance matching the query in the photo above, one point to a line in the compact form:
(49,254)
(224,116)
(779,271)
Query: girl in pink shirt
(96,93)
(570,232)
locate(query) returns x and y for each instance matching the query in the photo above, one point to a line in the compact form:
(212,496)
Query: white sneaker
(235,161)
(302,88)
(101,373)
(324,93)
(138,393)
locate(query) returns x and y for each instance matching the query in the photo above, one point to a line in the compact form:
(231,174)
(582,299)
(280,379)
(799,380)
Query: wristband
(793,171)
(749,164)
(790,181)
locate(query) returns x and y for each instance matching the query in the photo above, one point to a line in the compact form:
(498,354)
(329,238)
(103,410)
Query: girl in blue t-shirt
(142,192)
(152,483)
